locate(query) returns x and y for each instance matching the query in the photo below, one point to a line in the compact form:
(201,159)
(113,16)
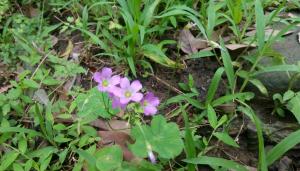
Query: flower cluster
(122,92)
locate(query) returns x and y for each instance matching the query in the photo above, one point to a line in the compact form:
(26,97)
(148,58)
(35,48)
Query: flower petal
(101,88)
(115,80)
(97,77)
(124,100)
(136,85)
(137,97)
(106,72)
(124,83)
(116,91)
(150,110)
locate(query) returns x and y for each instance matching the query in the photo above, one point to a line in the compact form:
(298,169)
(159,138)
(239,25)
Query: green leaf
(161,137)
(258,84)
(109,158)
(21,130)
(282,147)
(212,116)
(294,106)
(219,162)
(22,145)
(228,66)
(262,164)
(224,137)
(211,20)
(260,24)
(94,103)
(8,159)
(231,97)
(201,54)
(30,83)
(214,85)
(190,147)
(154,53)
(277,68)
(288,95)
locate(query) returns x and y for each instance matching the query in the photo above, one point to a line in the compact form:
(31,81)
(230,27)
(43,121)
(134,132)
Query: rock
(277,82)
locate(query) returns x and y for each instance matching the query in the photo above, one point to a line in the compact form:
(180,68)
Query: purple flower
(149,104)
(106,81)
(116,102)
(151,156)
(128,92)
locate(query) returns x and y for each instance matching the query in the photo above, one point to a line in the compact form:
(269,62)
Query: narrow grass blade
(189,144)
(219,162)
(283,146)
(214,85)
(260,24)
(228,66)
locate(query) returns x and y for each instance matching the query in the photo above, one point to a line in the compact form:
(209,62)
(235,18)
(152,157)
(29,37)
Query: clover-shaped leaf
(161,137)
(94,103)
(109,158)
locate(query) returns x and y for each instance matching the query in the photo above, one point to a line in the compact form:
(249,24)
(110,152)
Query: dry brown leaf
(68,50)
(237,46)
(268,32)
(5,88)
(117,137)
(112,125)
(189,44)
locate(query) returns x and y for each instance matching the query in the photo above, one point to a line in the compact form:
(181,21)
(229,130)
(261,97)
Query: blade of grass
(228,66)
(283,146)
(214,161)
(214,85)
(189,144)
(262,162)
(260,24)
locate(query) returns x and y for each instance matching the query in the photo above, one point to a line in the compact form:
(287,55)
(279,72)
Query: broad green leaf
(8,159)
(30,83)
(109,158)
(160,137)
(211,20)
(22,145)
(212,116)
(294,106)
(282,147)
(224,137)
(17,167)
(219,162)
(94,103)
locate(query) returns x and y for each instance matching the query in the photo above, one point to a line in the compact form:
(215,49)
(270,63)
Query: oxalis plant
(159,141)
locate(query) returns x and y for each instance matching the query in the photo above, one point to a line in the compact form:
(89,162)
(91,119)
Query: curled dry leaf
(117,137)
(5,88)
(189,44)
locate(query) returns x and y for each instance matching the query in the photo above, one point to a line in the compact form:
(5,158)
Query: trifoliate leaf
(93,104)
(109,158)
(162,137)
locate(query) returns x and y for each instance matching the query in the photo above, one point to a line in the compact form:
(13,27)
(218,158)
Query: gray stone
(277,82)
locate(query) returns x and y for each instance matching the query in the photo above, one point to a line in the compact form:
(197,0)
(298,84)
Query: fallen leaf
(298,35)
(68,50)
(117,137)
(237,46)
(5,88)
(189,44)
(112,125)
(268,32)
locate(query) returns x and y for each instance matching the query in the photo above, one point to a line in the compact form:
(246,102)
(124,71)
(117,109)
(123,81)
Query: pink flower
(149,104)
(116,102)
(105,80)
(128,92)
(151,156)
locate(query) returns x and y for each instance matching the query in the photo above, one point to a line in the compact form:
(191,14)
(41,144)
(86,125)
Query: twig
(166,84)
(43,60)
